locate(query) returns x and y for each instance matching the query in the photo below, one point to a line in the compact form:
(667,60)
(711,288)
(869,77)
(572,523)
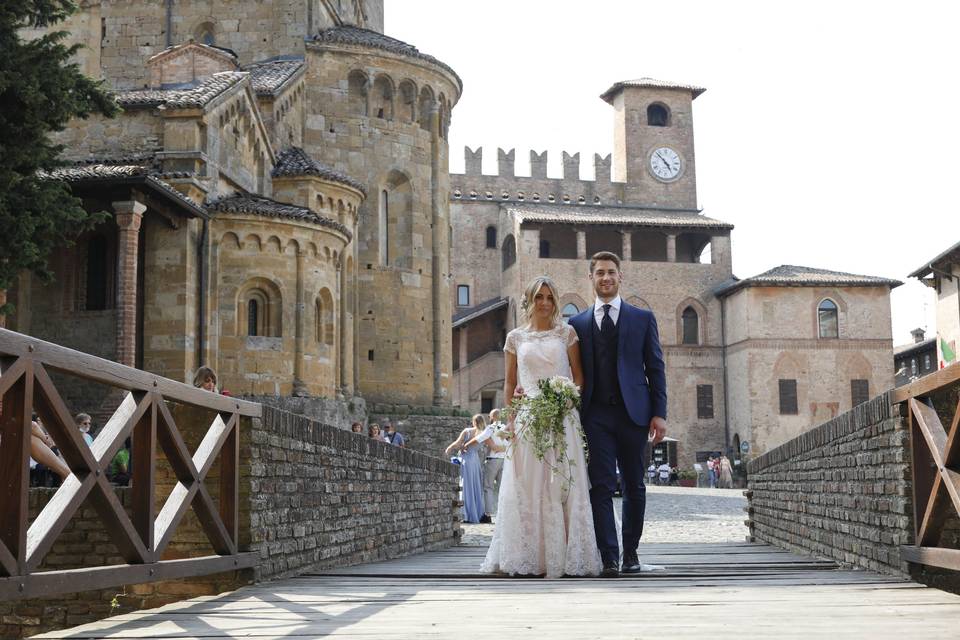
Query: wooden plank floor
(743,589)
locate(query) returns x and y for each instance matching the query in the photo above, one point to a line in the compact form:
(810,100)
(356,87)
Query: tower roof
(358,36)
(260,206)
(297,162)
(794,276)
(651,83)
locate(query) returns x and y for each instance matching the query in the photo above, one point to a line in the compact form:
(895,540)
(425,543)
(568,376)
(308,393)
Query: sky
(828,134)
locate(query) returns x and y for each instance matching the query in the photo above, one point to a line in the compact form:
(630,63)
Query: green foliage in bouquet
(540,420)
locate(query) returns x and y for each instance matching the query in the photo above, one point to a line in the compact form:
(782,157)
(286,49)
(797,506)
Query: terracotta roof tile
(651,83)
(351,35)
(260,206)
(182,98)
(593,214)
(294,161)
(268,78)
(794,276)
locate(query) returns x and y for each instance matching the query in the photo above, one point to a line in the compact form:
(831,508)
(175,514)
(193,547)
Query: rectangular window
(544,248)
(859,391)
(705,401)
(788,398)
(370,355)
(463,295)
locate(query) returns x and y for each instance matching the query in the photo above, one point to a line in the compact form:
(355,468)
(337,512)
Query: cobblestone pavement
(674,514)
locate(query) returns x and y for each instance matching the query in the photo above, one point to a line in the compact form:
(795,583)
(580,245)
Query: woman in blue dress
(470,469)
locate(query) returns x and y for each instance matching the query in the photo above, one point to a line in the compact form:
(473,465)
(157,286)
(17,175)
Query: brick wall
(839,491)
(312,496)
(321,496)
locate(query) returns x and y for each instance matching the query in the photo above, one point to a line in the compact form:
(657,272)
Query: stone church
(282,211)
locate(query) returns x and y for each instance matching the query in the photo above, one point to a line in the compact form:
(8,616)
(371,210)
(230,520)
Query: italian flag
(948,353)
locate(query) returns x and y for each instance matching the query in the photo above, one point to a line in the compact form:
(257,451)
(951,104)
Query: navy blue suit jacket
(640,368)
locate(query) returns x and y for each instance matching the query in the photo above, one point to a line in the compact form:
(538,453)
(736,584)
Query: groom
(624,399)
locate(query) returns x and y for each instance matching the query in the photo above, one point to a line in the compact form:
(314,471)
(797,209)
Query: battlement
(473,184)
(473,165)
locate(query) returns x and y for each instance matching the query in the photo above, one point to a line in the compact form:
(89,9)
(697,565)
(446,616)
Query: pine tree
(41,89)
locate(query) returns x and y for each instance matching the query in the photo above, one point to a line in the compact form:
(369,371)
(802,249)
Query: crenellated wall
(537,187)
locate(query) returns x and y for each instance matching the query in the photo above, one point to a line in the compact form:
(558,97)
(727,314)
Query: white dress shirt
(490,434)
(614,310)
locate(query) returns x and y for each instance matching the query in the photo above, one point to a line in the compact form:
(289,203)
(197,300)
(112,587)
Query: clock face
(665,163)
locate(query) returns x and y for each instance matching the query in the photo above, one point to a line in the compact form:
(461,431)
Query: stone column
(370,73)
(464,337)
(300,322)
(338,328)
(355,283)
(438,242)
(581,245)
(671,247)
(129,216)
(626,253)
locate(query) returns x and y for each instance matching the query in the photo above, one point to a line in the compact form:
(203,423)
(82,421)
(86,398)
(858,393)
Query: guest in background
(206,378)
(712,472)
(119,472)
(394,437)
(663,474)
(470,469)
(83,421)
(726,473)
(374,431)
(356,427)
(492,465)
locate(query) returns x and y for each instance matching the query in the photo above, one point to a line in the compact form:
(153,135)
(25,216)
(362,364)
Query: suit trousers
(492,471)
(615,441)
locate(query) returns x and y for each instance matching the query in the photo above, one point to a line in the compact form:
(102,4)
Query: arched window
(383,98)
(658,115)
(691,326)
(508,252)
(424,107)
(569,310)
(827,319)
(491,237)
(259,310)
(408,101)
(253,317)
(384,226)
(326,327)
(204,34)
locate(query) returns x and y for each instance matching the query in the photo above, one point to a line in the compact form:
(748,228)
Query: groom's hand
(658,427)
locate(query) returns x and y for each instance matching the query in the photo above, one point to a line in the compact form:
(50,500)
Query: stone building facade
(279,205)
(676,262)
(942,274)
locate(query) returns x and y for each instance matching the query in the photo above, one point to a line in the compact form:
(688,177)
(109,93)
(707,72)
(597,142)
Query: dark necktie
(606,325)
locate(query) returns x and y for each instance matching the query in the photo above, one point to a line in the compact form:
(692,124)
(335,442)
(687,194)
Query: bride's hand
(519,392)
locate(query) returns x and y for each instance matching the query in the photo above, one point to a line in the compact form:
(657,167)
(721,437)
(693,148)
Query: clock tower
(653,142)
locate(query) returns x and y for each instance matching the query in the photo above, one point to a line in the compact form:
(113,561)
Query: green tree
(40,91)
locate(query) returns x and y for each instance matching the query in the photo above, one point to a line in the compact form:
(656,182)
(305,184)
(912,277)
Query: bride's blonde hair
(528,305)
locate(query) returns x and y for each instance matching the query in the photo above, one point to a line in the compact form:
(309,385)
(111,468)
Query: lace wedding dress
(544,521)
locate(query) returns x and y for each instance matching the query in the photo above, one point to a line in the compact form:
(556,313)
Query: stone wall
(430,435)
(839,491)
(312,496)
(322,496)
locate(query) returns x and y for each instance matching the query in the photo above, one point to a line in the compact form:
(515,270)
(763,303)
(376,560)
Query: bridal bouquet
(542,417)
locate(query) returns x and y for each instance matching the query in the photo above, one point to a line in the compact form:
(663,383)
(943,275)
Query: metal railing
(26,387)
(931,406)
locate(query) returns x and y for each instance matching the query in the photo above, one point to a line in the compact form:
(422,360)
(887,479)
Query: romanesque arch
(508,252)
(395,220)
(571,304)
(325,318)
(357,92)
(639,303)
(259,308)
(407,106)
(383,94)
(425,106)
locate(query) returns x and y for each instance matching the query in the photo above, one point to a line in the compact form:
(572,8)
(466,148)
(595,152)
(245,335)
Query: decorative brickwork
(840,490)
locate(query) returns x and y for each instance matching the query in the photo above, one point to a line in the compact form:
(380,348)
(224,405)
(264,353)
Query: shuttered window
(704,401)
(859,391)
(788,398)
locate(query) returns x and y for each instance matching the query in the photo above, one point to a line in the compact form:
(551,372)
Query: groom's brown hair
(604,255)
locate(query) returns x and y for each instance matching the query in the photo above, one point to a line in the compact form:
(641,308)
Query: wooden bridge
(736,588)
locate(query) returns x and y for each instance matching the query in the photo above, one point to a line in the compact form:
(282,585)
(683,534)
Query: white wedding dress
(544,521)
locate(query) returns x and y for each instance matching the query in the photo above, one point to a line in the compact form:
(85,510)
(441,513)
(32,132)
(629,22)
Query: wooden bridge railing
(931,403)
(26,387)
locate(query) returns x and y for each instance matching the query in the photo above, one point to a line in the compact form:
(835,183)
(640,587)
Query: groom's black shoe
(631,564)
(610,570)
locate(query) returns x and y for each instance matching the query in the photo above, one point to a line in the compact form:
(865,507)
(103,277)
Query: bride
(544,521)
